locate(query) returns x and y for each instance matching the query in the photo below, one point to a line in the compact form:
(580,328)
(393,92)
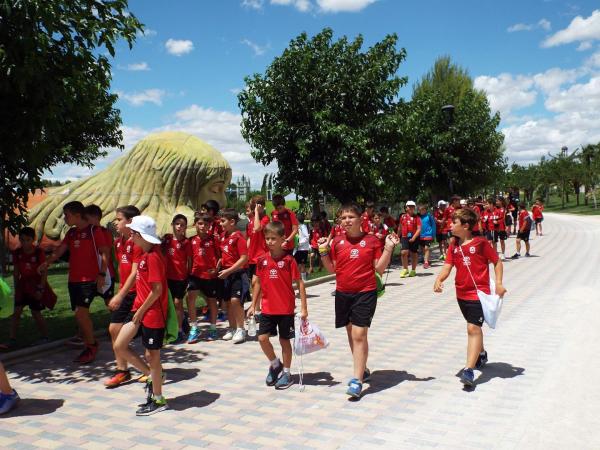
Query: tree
(325,112)
(55,100)
(446,154)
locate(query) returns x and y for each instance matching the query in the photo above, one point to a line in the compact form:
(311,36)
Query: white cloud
(585,45)
(139,98)
(147,33)
(507,92)
(179,47)
(593,61)
(544,24)
(582,98)
(579,30)
(253,4)
(257,49)
(553,79)
(136,67)
(300,5)
(235,91)
(343,5)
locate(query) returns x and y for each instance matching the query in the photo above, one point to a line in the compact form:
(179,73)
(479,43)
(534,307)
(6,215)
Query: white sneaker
(503,258)
(239,336)
(228,336)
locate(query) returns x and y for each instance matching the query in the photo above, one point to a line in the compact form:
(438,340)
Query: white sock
(275,362)
(286,370)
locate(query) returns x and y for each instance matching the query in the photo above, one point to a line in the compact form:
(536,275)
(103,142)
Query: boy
(86,272)
(316,233)
(500,227)
(470,203)
(287,218)
(276,272)
(302,252)
(128,255)
(354,258)
(93,215)
(255,232)
(441,228)
(367,218)
(8,396)
(212,208)
(428,231)
(203,277)
(30,286)
(234,262)
(410,230)
(178,251)
(149,312)
(380,229)
(538,216)
(524,230)
(388,220)
(488,219)
(449,213)
(471,257)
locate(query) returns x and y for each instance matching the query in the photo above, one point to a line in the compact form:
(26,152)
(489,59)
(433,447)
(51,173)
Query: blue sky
(538,60)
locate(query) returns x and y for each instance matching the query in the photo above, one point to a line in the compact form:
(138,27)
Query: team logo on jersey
(226,248)
(342,242)
(472,250)
(178,246)
(207,244)
(171,251)
(264,262)
(362,243)
(467,261)
(273,273)
(354,253)
(230,241)
(201,252)
(142,264)
(280,264)
(83,235)
(128,250)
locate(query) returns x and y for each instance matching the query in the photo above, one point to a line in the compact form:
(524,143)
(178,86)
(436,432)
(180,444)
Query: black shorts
(441,237)
(251,271)
(81,294)
(122,314)
(177,288)
(110,293)
(425,242)
(29,300)
(471,311)
(236,285)
(508,221)
(514,214)
(357,309)
(539,220)
(501,235)
(152,338)
(413,247)
(523,235)
(301,256)
(269,323)
(208,287)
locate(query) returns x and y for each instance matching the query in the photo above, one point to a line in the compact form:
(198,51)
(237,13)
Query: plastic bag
(491,304)
(308,337)
(7,305)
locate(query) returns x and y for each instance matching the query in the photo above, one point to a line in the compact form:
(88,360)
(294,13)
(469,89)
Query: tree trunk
(576,187)
(586,191)
(2,248)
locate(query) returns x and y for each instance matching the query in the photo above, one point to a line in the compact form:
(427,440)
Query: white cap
(146,226)
(410,203)
(442,202)
(463,202)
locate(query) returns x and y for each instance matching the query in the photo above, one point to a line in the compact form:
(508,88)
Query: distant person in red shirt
(178,256)
(212,208)
(477,229)
(234,263)
(409,228)
(538,215)
(203,276)
(316,233)
(255,232)
(93,215)
(471,256)
(500,233)
(487,219)
(449,213)
(288,218)
(128,256)
(388,220)
(276,273)
(149,312)
(30,286)
(354,258)
(367,218)
(525,223)
(88,263)
(380,229)
(441,228)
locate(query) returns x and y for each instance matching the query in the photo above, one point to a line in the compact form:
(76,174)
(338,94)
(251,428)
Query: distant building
(240,188)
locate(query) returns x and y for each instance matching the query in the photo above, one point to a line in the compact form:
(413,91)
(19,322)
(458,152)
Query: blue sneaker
(194,336)
(354,388)
(273,374)
(284,381)
(366,375)
(8,401)
(481,360)
(467,377)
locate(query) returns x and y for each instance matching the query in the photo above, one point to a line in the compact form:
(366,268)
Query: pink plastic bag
(309,338)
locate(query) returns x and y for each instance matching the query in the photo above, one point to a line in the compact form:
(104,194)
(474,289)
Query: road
(539,390)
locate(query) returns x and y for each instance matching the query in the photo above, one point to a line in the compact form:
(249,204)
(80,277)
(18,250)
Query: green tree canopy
(325,111)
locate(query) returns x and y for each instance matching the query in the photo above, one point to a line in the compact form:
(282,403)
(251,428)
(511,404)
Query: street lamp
(448,111)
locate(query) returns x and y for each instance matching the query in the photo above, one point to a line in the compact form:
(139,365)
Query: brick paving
(539,389)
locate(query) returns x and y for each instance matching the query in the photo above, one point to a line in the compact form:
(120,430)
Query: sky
(537,60)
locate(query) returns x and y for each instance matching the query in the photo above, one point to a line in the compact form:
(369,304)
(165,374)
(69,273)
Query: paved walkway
(539,390)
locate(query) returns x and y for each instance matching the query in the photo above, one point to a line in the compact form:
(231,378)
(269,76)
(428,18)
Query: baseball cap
(146,226)
(463,202)
(442,202)
(410,203)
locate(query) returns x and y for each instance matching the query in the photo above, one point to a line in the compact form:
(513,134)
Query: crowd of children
(228,268)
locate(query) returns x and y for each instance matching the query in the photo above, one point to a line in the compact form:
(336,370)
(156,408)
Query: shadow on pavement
(498,370)
(35,407)
(317,379)
(193,400)
(177,374)
(386,379)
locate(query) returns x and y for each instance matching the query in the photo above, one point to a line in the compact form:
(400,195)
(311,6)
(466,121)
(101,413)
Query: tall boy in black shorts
(470,253)
(275,273)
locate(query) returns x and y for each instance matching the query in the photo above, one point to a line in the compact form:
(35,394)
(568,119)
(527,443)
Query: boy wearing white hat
(149,312)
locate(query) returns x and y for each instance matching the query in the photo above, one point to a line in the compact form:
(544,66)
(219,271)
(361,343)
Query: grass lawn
(60,321)
(555,206)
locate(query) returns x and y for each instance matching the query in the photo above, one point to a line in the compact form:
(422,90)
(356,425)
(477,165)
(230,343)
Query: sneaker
(442,258)
(426,265)
(284,381)
(273,374)
(527,255)
(8,401)
(515,256)
(149,390)
(403,273)
(366,375)
(120,377)
(88,354)
(152,407)
(228,336)
(354,388)
(481,360)
(221,317)
(194,336)
(412,273)
(503,257)
(467,377)
(212,335)
(239,336)
(143,378)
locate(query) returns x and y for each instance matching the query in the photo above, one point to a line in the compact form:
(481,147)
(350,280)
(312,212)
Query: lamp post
(448,111)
